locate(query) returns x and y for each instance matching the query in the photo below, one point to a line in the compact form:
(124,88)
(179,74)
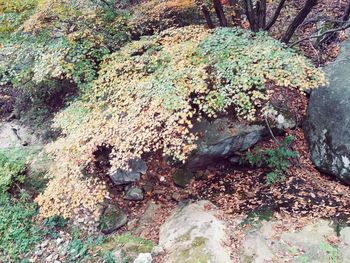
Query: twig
(320,35)
(271,132)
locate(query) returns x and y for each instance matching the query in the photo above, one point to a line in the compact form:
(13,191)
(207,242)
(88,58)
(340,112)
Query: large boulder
(327,127)
(222,139)
(272,243)
(194,234)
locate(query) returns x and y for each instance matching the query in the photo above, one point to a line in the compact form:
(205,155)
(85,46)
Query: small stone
(179,196)
(44,244)
(157,250)
(59,241)
(137,167)
(148,187)
(49,258)
(134,194)
(118,257)
(143,258)
(182,177)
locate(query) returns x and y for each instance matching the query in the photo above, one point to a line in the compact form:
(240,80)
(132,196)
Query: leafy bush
(276,159)
(13,13)
(150,92)
(57,51)
(18,233)
(12,167)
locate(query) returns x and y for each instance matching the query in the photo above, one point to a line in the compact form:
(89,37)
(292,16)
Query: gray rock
(148,218)
(222,139)
(134,194)
(12,134)
(143,258)
(182,177)
(310,244)
(194,234)
(327,127)
(113,218)
(137,167)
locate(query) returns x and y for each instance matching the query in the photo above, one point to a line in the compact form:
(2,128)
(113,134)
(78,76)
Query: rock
(112,219)
(268,244)
(182,177)
(193,233)
(12,134)
(143,258)
(327,124)
(137,167)
(157,250)
(134,194)
(147,219)
(222,139)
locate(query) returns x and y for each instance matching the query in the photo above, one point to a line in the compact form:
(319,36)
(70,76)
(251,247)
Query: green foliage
(331,251)
(81,249)
(129,245)
(18,233)
(13,13)
(276,159)
(12,168)
(57,52)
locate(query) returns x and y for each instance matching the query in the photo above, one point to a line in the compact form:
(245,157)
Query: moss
(129,242)
(194,253)
(186,236)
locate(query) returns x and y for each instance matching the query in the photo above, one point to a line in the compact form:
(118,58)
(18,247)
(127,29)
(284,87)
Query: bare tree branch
(220,12)
(345,26)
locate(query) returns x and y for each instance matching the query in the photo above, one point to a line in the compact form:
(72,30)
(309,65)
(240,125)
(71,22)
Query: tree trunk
(346,15)
(220,12)
(276,15)
(298,20)
(249,11)
(207,17)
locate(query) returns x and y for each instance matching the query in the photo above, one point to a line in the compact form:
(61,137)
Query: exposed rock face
(137,167)
(12,134)
(194,234)
(221,139)
(310,244)
(327,127)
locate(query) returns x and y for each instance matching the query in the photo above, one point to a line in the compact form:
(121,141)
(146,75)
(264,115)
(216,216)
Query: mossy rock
(112,219)
(182,177)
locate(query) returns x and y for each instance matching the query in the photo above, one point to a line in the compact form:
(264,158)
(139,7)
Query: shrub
(150,92)
(57,50)
(276,159)
(12,169)
(13,13)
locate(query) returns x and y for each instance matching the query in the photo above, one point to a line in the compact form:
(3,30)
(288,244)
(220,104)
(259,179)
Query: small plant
(276,159)
(12,168)
(18,233)
(331,251)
